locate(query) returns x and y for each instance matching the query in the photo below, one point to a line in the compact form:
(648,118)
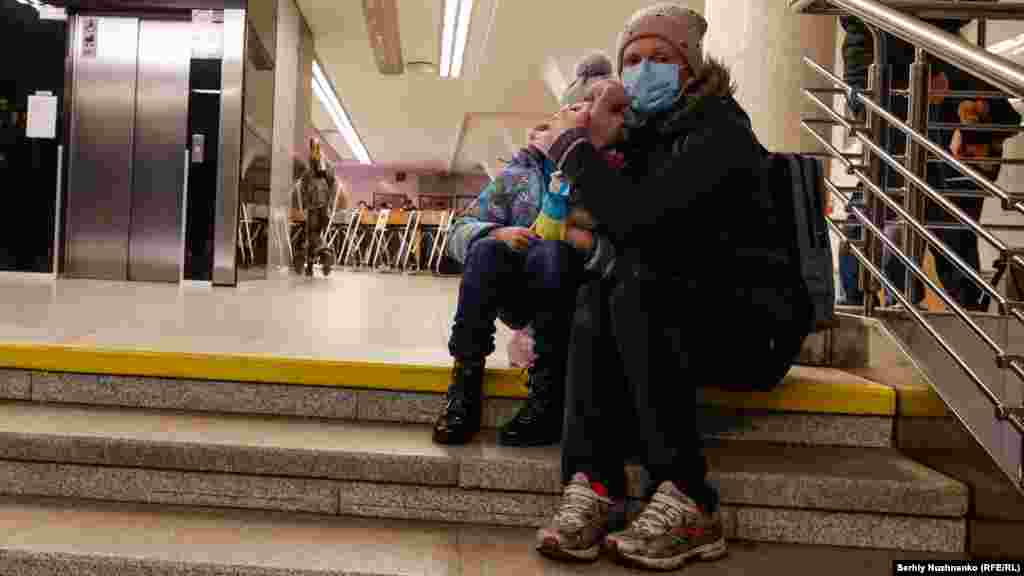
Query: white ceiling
(421,121)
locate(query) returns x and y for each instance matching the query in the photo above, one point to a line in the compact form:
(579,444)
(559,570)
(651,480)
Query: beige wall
(259,96)
(262,14)
(291,106)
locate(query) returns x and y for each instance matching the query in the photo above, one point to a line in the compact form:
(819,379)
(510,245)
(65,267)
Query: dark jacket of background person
(858,55)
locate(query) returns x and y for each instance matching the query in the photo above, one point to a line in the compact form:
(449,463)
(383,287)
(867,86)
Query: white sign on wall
(42,116)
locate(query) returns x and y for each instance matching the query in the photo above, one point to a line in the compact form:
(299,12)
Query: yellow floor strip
(245,368)
(920,403)
(806,389)
(914,395)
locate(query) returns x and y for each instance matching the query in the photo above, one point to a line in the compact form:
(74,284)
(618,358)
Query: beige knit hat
(590,70)
(673,23)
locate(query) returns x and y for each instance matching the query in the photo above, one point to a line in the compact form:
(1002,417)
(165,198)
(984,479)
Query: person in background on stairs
(698,288)
(317,191)
(527,277)
(858,55)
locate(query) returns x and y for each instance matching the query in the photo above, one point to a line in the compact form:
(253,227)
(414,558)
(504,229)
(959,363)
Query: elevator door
(127,173)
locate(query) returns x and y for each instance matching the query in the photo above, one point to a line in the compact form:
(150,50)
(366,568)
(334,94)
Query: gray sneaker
(579,525)
(671,530)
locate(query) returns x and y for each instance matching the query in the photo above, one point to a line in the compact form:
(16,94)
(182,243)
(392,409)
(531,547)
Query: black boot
(463,408)
(539,420)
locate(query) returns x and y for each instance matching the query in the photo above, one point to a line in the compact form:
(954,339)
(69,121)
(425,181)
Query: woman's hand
(515,237)
(572,116)
(607,113)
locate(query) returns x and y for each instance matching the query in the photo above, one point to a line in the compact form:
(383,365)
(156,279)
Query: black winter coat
(689,206)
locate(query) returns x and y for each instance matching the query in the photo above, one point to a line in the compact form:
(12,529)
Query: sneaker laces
(659,517)
(577,507)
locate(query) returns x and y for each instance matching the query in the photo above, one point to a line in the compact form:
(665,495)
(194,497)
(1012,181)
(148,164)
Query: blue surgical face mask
(653,86)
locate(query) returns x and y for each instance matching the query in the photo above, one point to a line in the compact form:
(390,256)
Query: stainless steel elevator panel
(229,157)
(102,129)
(161,124)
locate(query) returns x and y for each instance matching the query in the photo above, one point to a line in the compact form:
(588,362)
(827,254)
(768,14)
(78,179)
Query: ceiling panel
(421,30)
(414,119)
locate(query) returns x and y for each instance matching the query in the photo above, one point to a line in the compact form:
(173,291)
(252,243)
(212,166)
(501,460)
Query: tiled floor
(349,316)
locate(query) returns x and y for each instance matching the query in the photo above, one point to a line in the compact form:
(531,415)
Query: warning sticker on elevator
(90,37)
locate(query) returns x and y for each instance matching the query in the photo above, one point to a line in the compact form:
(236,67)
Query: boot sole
(552,550)
(527,442)
(451,440)
(705,553)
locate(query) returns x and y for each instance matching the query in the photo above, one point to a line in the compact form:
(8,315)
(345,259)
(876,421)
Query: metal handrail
(983,94)
(924,232)
(995,70)
(946,9)
(950,126)
(895,122)
(911,166)
(937,244)
(1002,410)
(1015,417)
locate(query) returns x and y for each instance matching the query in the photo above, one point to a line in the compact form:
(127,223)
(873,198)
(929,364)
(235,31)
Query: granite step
(996,518)
(40,537)
(853,496)
(813,405)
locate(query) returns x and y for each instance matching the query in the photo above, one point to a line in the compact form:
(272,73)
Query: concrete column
(304,97)
(763,43)
(291,115)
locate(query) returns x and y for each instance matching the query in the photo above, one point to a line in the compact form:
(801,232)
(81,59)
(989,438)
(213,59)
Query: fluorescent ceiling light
(454,34)
(325,93)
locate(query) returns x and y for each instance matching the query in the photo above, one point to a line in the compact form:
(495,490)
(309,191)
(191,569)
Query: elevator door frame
(98,221)
(161,131)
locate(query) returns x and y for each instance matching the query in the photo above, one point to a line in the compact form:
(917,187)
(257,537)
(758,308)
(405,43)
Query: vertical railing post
(879,87)
(916,162)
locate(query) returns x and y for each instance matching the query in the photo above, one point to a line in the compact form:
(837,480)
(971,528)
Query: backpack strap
(800,217)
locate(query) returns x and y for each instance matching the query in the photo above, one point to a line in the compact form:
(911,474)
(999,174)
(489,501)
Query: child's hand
(580,239)
(516,237)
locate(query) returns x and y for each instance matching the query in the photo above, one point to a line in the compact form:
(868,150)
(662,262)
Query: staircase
(879,446)
(249,472)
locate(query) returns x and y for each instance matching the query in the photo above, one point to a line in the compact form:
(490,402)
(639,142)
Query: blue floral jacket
(515,198)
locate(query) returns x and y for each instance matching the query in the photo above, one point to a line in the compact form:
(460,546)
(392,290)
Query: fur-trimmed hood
(711,89)
(714,79)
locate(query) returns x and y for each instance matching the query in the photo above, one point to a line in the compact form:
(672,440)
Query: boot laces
(458,396)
